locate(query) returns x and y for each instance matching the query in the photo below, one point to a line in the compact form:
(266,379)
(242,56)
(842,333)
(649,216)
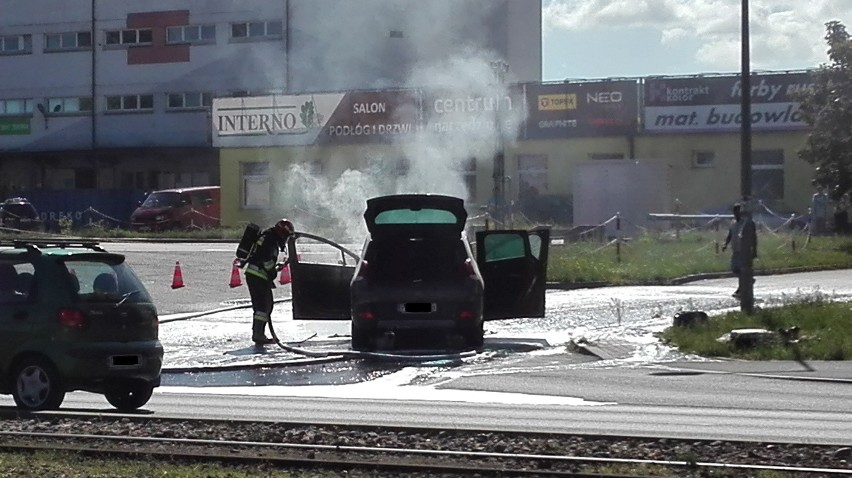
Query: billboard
(571,110)
(712,104)
(371,117)
(452,112)
(15,126)
(304,120)
(271,120)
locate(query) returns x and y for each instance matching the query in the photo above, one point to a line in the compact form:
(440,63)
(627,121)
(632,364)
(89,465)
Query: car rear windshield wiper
(126,296)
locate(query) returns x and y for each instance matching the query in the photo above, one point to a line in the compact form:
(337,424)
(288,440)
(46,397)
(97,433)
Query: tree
(827,108)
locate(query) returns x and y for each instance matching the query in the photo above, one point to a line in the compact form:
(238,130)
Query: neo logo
(604,97)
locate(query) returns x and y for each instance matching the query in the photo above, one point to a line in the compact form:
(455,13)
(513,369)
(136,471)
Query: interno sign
(304,120)
(713,104)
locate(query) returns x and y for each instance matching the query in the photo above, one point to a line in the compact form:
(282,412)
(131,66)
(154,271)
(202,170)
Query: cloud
(785,34)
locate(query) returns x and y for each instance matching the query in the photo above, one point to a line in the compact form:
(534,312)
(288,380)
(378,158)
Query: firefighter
(262,266)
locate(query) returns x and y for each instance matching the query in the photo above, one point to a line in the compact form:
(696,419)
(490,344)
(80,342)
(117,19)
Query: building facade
(116,95)
(570,152)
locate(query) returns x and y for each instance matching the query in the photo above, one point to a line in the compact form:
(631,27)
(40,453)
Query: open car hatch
(387,213)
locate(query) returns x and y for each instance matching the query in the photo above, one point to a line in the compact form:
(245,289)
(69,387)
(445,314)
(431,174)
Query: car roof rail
(38,244)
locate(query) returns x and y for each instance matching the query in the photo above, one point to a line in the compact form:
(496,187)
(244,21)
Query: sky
(589,39)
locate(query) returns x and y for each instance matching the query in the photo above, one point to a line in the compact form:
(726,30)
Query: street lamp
(747,231)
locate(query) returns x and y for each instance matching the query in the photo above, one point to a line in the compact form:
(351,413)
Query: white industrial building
(115,95)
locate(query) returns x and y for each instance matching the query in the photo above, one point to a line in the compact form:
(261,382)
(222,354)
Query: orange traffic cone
(177,279)
(235,274)
(285,278)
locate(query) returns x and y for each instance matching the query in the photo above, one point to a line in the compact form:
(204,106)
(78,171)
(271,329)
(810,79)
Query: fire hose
(342,354)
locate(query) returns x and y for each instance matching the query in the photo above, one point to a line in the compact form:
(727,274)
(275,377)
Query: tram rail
(387,459)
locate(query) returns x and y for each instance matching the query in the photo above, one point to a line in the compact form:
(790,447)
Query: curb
(690,278)
(775,376)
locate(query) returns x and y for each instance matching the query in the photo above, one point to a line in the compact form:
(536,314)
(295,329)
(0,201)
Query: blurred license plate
(119,361)
(417,307)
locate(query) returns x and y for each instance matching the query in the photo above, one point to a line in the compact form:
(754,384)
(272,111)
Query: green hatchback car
(75,317)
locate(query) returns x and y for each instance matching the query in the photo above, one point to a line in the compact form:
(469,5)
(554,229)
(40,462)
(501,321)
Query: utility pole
(500,68)
(748,230)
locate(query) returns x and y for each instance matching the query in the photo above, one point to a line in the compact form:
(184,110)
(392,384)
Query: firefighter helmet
(284,228)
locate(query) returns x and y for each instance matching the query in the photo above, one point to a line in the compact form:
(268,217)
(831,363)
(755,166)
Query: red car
(186,208)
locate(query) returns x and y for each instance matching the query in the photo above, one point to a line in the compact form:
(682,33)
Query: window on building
(262,92)
(139,179)
(532,177)
(270,30)
(257,185)
(16,44)
(130,103)
(767,174)
(703,159)
(188,101)
(70,105)
(467,170)
(316,167)
(191,34)
(85,178)
(606,156)
(68,41)
(16,107)
(129,37)
(401,167)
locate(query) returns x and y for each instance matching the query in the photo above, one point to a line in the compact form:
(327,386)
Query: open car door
(513,264)
(320,272)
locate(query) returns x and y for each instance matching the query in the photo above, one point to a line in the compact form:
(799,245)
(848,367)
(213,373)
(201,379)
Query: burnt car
(416,283)
(19,214)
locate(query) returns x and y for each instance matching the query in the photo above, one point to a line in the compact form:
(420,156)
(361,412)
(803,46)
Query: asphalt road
(638,401)
(641,388)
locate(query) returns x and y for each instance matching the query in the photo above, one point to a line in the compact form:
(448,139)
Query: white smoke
(434,160)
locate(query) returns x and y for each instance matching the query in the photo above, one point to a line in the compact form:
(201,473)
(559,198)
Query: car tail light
(465,314)
(366,315)
(71,318)
(362,270)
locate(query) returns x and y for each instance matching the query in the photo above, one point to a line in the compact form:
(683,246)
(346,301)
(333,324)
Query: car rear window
(403,259)
(101,281)
(20,210)
(419,216)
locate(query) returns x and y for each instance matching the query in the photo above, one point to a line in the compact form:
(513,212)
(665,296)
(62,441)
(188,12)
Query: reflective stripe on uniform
(256,271)
(261,316)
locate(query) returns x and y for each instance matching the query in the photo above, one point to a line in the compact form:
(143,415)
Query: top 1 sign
(566,110)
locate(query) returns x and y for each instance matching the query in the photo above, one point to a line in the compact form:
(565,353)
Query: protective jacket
(263,260)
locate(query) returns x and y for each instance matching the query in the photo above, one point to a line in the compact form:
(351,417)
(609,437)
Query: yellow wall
(333,161)
(700,188)
(562,156)
(697,189)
